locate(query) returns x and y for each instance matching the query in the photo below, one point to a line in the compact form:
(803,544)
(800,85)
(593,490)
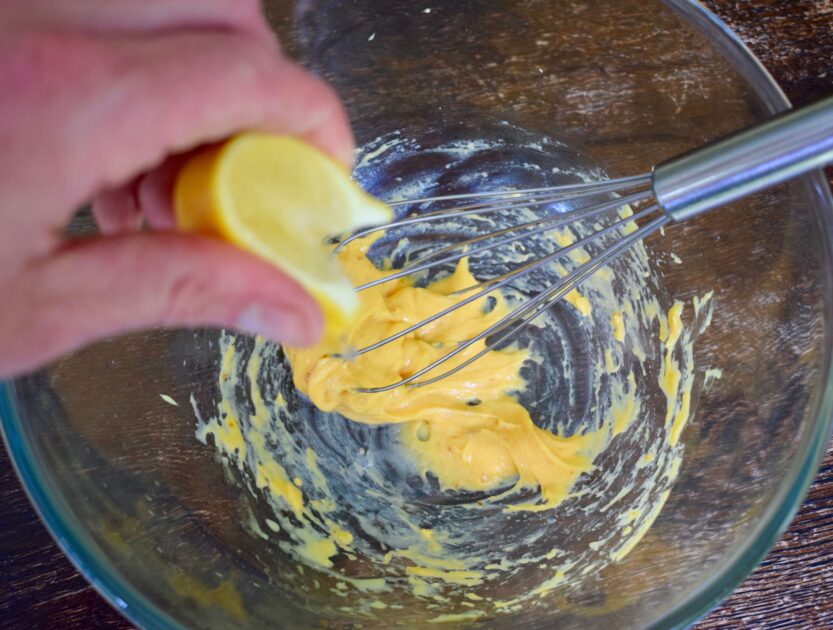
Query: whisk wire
(550,297)
(528,197)
(528,311)
(549,223)
(584,187)
(496,283)
(583,242)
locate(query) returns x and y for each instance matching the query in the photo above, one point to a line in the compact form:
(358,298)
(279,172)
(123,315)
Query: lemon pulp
(280,198)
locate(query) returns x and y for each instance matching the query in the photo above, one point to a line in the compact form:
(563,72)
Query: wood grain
(793,587)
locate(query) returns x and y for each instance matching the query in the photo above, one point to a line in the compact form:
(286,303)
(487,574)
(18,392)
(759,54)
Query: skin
(101,101)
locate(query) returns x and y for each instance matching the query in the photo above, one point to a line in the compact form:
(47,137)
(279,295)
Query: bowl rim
(139,610)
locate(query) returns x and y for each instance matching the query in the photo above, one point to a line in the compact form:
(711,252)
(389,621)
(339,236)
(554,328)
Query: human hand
(101,100)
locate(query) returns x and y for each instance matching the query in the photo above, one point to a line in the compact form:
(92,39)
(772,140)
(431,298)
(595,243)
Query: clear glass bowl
(144,510)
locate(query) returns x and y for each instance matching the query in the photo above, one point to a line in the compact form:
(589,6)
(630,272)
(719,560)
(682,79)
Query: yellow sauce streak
(467,446)
(468,430)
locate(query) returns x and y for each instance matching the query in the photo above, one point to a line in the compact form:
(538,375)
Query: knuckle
(183,297)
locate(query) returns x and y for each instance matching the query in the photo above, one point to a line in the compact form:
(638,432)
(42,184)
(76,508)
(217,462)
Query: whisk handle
(748,161)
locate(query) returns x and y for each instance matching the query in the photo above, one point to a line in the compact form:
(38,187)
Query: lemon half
(280,198)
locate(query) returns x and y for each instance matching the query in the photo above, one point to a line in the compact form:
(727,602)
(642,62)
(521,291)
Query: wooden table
(793,587)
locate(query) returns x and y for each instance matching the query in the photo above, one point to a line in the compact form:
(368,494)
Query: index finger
(101,110)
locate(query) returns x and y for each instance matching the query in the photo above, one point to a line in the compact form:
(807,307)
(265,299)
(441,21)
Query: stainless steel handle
(746,162)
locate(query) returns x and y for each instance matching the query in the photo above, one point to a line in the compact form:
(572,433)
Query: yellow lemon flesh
(280,198)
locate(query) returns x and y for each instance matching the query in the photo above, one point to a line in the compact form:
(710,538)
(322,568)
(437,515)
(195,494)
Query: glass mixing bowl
(153,521)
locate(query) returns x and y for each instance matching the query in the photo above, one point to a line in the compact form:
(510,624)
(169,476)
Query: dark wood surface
(793,587)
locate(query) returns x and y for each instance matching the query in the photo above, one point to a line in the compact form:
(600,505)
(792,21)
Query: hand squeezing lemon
(280,198)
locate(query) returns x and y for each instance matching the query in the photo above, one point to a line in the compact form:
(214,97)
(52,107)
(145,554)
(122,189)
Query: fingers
(112,285)
(92,112)
(147,199)
(155,192)
(116,210)
(150,196)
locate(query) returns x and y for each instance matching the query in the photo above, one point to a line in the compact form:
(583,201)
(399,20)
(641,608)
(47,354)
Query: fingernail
(278,324)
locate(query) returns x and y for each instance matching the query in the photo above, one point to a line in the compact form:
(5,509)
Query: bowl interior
(170,532)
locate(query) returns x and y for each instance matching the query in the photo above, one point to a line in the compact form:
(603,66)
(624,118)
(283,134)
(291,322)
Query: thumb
(106,286)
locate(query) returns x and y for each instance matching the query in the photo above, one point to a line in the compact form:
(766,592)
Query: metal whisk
(746,162)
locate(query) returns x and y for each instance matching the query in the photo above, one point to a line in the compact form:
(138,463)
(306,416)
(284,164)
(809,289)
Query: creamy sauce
(467,429)
(450,493)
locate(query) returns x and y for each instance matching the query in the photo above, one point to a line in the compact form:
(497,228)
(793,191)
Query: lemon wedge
(280,198)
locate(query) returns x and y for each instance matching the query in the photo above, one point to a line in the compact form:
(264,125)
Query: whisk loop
(499,201)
